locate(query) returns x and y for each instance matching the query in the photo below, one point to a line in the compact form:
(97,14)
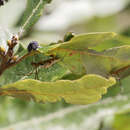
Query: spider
(42,64)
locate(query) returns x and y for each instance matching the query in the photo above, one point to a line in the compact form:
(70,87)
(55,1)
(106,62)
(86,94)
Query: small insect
(32,46)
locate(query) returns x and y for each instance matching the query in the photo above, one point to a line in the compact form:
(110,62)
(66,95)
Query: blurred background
(59,17)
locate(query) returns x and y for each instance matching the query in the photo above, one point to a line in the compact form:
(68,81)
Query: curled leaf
(86,90)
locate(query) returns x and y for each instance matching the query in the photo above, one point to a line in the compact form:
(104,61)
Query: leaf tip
(112,81)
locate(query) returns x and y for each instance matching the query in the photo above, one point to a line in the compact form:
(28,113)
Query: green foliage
(77,54)
(121,120)
(90,67)
(77,59)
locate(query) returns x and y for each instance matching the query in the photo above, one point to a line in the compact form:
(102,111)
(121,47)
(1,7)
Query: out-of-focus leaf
(122,121)
(32,13)
(85,90)
(77,117)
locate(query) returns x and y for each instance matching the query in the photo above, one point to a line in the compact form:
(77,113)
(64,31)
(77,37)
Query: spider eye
(32,46)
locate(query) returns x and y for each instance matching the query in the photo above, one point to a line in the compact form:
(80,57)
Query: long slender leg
(36,73)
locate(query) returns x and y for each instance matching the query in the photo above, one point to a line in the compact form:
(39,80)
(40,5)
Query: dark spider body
(33,46)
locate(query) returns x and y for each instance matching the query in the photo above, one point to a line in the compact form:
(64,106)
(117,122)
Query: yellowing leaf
(85,90)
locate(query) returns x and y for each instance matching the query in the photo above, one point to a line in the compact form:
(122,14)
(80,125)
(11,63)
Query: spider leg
(36,73)
(120,85)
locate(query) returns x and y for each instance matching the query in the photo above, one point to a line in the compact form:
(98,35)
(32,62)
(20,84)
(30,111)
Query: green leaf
(85,90)
(97,41)
(74,61)
(121,120)
(32,13)
(22,70)
(77,54)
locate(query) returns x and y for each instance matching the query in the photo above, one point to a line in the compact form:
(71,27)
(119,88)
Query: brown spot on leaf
(72,53)
(79,60)
(73,67)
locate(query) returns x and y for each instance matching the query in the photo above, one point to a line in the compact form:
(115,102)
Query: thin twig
(7,66)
